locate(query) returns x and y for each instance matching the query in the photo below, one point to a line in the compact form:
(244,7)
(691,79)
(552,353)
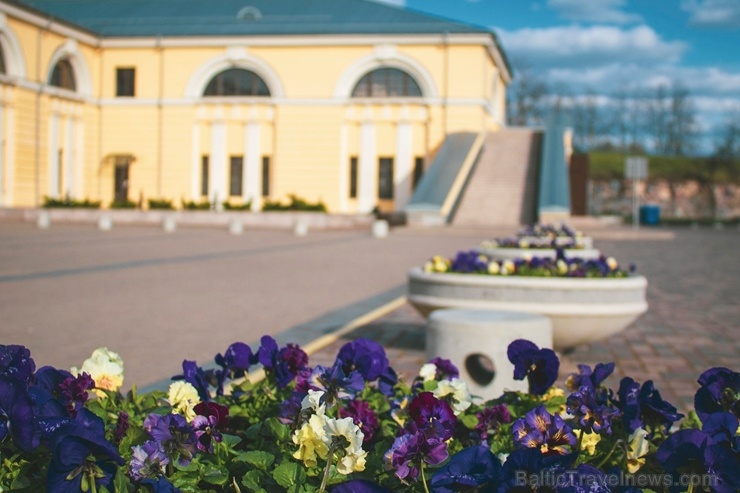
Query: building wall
(57,142)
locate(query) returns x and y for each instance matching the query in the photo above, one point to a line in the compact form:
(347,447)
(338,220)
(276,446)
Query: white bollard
(380,228)
(301,228)
(44,220)
(476,341)
(236,226)
(169,225)
(105,223)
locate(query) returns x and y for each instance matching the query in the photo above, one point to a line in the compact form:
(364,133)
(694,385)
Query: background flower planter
(581,310)
(514,253)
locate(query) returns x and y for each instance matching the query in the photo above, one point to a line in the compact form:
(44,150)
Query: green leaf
(257,458)
(252,481)
(289,473)
(121,483)
(470,421)
(279,430)
(230,441)
(216,475)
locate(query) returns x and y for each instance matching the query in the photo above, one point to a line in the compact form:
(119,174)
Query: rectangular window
(418,172)
(125,82)
(237,166)
(353,177)
(204,176)
(265,176)
(385,178)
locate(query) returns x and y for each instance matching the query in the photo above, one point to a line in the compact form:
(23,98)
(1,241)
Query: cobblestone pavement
(693,322)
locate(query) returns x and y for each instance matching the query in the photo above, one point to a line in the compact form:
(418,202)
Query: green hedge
(68,202)
(160,204)
(604,165)
(295,204)
(191,205)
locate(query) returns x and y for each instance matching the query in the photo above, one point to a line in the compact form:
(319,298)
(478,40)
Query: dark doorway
(120,189)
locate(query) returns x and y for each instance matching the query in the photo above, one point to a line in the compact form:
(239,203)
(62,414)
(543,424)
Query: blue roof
(149,18)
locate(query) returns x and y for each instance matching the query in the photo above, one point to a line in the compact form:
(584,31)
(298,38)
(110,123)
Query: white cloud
(713,13)
(578,46)
(398,3)
(600,11)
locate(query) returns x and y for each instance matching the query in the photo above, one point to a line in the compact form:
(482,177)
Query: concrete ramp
(502,188)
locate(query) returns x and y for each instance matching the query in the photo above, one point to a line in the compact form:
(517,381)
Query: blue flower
(721,426)
(524,467)
(359,486)
(585,479)
(469,262)
(366,356)
(234,363)
(17,413)
(282,364)
(148,461)
(80,454)
(336,383)
(161,485)
(540,430)
(387,381)
(175,434)
(643,406)
(589,378)
(446,369)
(539,366)
(591,415)
(16,362)
(720,391)
(197,377)
(473,467)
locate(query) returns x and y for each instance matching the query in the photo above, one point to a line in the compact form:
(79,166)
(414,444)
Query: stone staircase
(502,189)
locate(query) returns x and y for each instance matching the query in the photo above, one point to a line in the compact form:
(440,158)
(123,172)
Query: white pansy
(428,372)
(183,398)
(458,389)
(313,401)
(562,266)
(639,446)
(612,263)
(105,367)
(508,267)
(353,459)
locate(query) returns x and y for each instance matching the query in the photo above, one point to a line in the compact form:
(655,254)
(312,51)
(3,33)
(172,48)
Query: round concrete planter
(513,253)
(581,310)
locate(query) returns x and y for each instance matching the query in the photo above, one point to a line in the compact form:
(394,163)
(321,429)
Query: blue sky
(602,45)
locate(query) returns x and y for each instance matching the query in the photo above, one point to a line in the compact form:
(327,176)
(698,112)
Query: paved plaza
(159,298)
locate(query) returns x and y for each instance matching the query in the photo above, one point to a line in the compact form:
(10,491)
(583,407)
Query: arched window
(2,60)
(387,83)
(63,75)
(236,82)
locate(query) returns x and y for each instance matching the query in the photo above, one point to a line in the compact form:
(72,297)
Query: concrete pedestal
(476,341)
(380,228)
(105,223)
(236,226)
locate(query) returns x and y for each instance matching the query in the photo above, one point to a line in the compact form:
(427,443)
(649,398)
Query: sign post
(635,169)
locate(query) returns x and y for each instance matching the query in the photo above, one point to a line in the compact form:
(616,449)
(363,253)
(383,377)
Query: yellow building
(235,100)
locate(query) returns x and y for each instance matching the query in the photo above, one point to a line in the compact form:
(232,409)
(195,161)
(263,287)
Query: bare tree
(682,127)
(526,99)
(657,119)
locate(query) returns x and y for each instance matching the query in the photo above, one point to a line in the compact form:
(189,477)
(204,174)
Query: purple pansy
(122,426)
(434,417)
(175,434)
(643,406)
(530,464)
(335,383)
(586,377)
(359,486)
(363,416)
(387,381)
(541,430)
(366,356)
(585,479)
(446,370)
(470,262)
(210,419)
(17,413)
(721,426)
(234,363)
(160,485)
(74,391)
(592,416)
(197,377)
(719,391)
(147,461)
(404,457)
(79,448)
(282,364)
(694,452)
(471,468)
(16,362)
(490,418)
(539,366)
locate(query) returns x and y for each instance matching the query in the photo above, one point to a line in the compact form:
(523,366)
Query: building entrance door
(120,190)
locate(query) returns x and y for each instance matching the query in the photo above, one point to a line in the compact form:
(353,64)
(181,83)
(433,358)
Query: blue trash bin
(650,214)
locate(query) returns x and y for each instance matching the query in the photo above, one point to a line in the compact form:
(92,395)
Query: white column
(3,182)
(402,166)
(10,154)
(252,176)
(195,185)
(80,160)
(217,164)
(367,180)
(69,157)
(53,161)
(343,169)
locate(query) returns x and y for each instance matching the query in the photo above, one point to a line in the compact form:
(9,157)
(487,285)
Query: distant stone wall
(679,200)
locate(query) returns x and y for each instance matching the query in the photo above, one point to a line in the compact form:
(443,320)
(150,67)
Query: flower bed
(586,300)
(355,427)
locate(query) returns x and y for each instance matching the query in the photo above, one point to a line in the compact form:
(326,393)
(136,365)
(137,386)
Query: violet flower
(363,416)
(446,369)
(490,418)
(387,381)
(541,430)
(530,463)
(17,413)
(643,406)
(74,391)
(197,377)
(335,383)
(210,419)
(434,417)
(147,461)
(79,448)
(366,356)
(359,486)
(471,468)
(175,434)
(234,363)
(122,426)
(589,378)
(404,457)
(282,364)
(46,394)
(592,416)
(161,485)
(16,362)
(469,262)
(719,391)
(539,366)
